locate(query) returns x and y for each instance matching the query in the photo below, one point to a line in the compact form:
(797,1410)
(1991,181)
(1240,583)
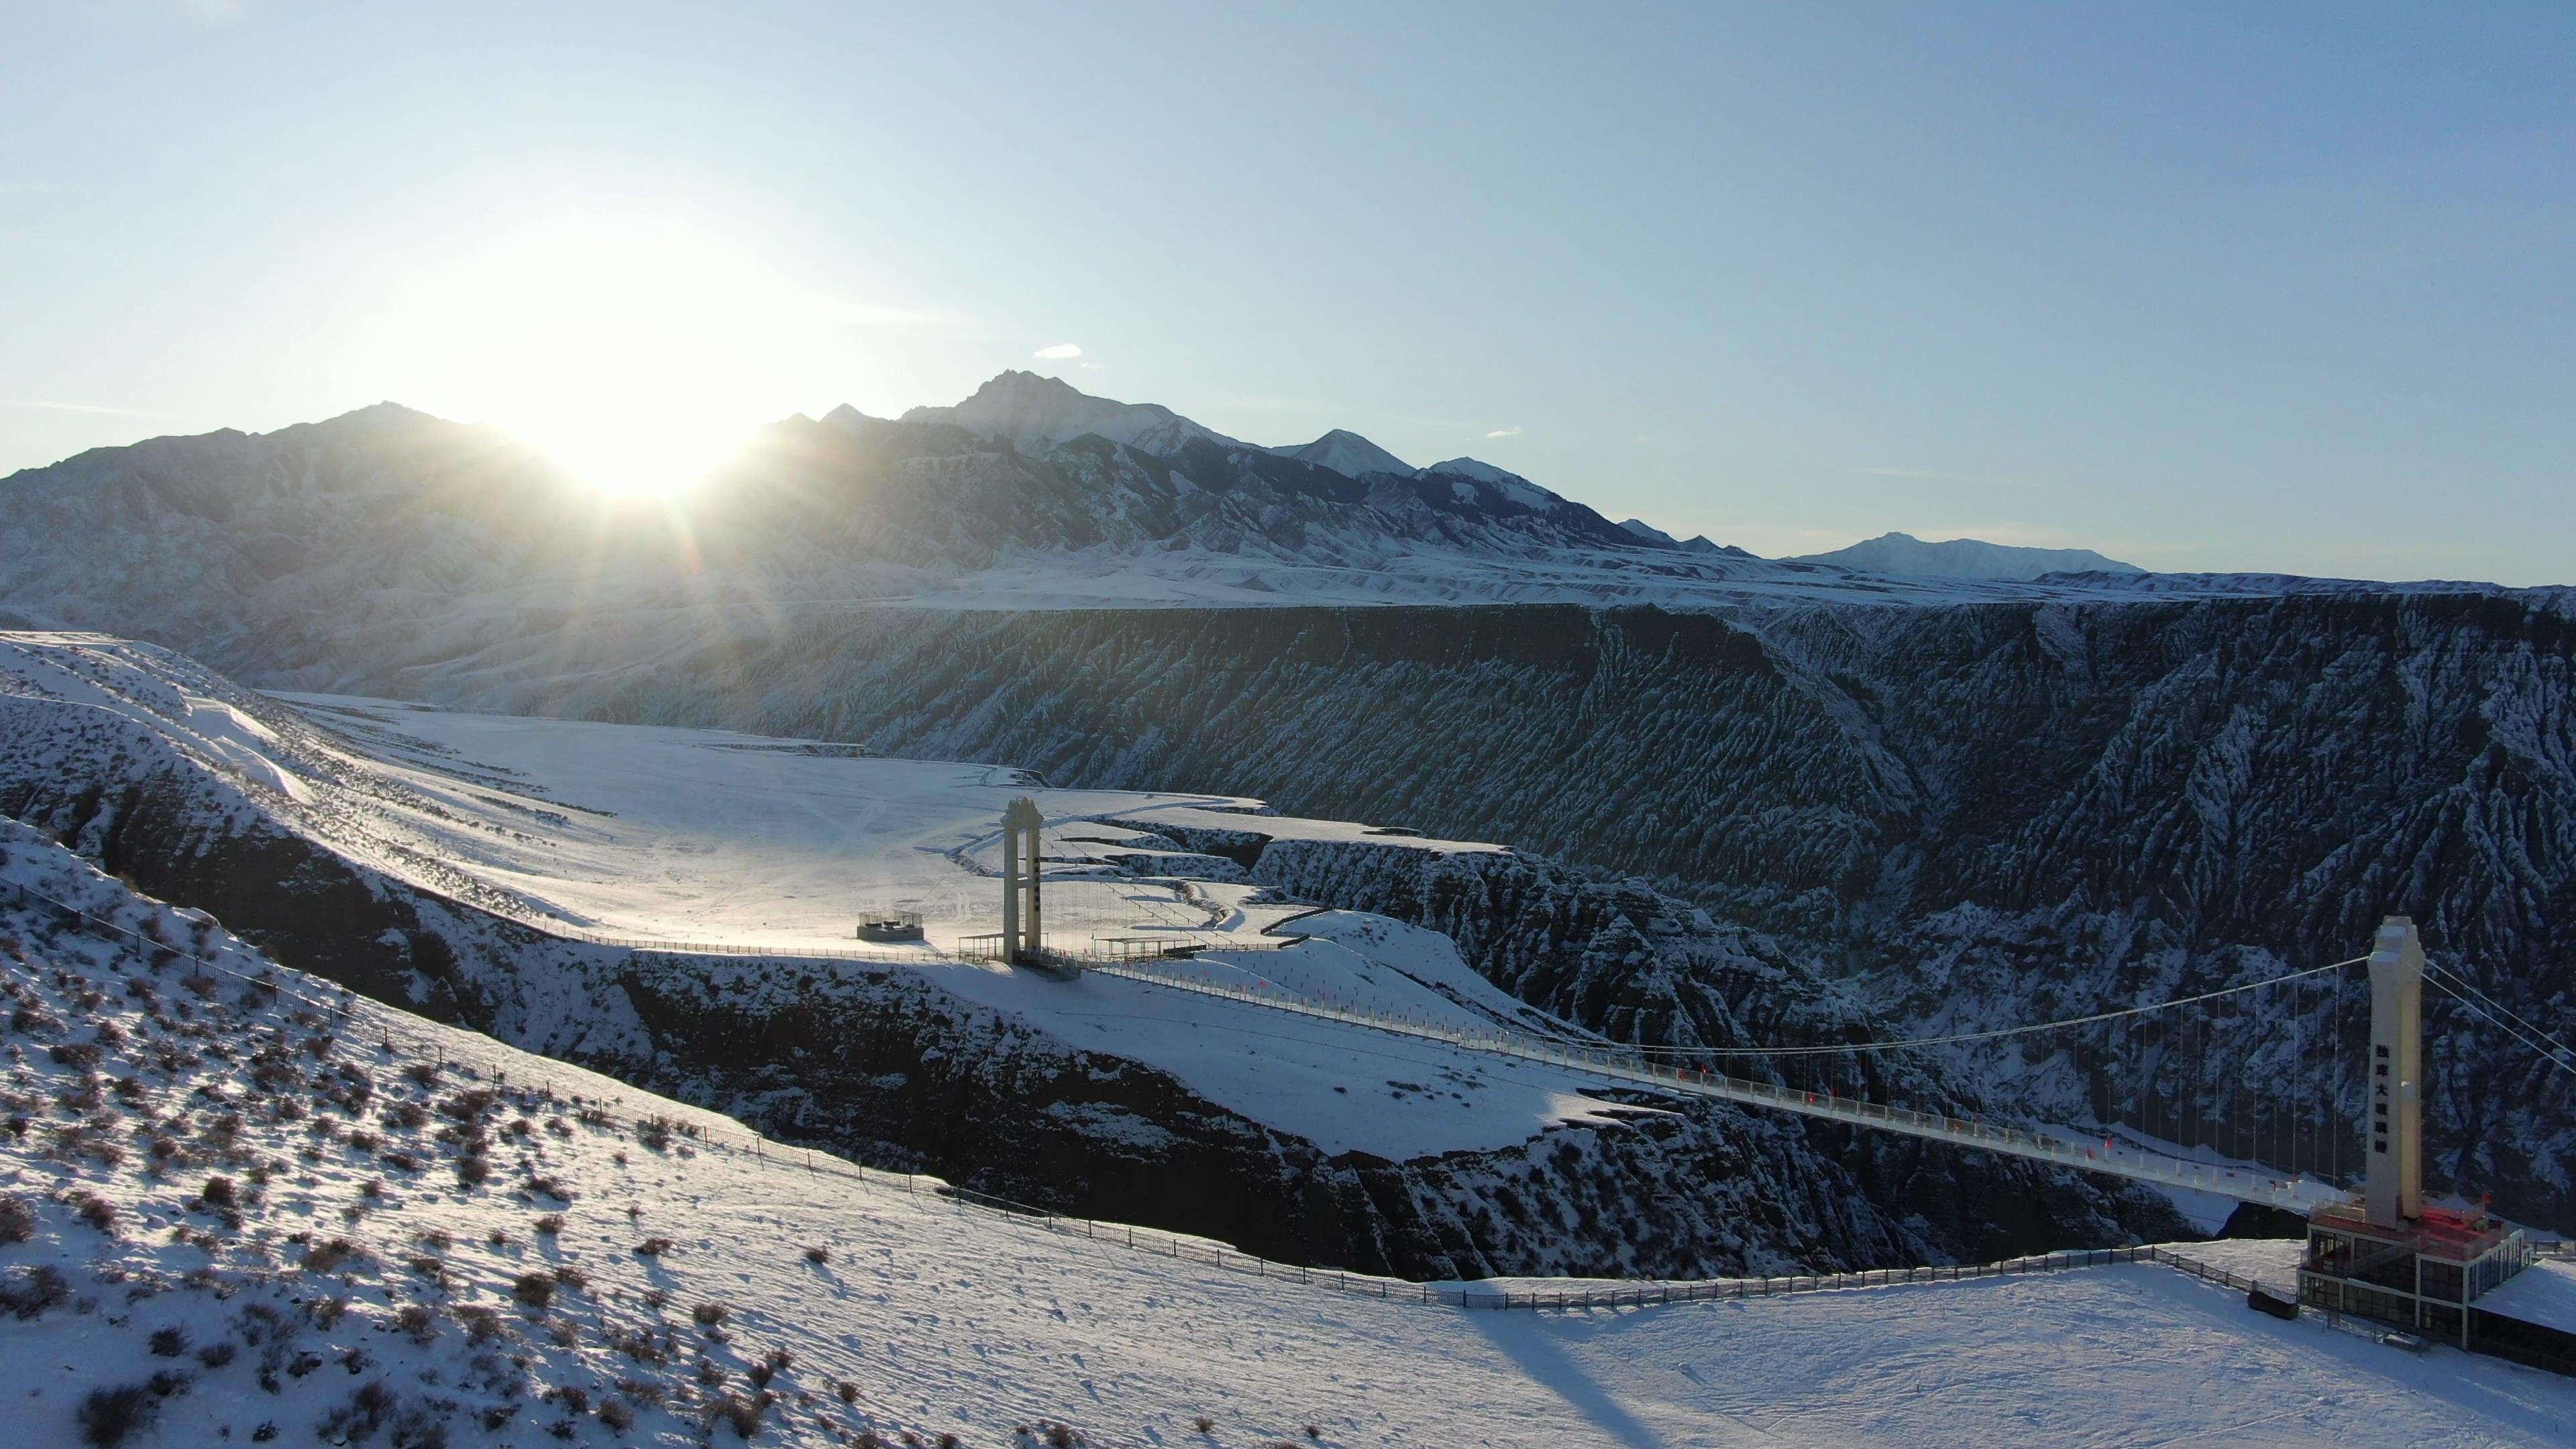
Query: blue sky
(2226,287)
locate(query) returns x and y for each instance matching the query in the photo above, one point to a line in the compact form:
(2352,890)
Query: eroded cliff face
(887,1068)
(1995,813)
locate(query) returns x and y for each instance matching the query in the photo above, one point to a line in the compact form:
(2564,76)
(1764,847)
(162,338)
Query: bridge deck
(2244,1184)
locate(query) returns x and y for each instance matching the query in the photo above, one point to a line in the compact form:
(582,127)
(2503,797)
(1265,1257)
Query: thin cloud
(64,407)
(1090,366)
(1504,433)
(1929,475)
(1059,353)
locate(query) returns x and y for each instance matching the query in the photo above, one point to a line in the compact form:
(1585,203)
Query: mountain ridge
(1966,558)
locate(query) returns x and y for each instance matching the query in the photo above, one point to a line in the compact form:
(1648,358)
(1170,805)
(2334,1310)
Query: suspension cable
(2541,1044)
(1886,1046)
(2558,1051)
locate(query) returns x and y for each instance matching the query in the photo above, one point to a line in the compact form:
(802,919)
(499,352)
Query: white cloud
(1059,352)
(64,407)
(1504,433)
(1089,365)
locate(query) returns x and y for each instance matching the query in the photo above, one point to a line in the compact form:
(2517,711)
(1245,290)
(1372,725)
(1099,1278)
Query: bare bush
(98,1212)
(711,1314)
(17,1218)
(33,1290)
(616,1415)
(740,1414)
(326,1257)
(653,1247)
(550,1224)
(534,1289)
(109,1417)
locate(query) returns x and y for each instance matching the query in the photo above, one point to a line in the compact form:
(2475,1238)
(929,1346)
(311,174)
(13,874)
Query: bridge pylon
(2393,1193)
(1023,930)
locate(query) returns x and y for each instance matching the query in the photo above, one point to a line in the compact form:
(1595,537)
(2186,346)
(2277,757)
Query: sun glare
(638,358)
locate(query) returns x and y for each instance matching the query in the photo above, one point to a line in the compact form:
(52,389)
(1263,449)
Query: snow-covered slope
(268,1212)
(1966,558)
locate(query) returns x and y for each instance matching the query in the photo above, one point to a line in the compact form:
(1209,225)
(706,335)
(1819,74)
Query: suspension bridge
(2301,1091)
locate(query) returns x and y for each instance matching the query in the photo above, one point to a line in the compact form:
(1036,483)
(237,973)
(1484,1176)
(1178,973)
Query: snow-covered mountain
(1966,558)
(1943,800)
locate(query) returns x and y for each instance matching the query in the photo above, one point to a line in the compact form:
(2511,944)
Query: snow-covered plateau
(240,1205)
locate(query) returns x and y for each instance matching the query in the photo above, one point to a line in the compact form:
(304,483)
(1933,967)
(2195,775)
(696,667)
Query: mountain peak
(1348,454)
(1032,410)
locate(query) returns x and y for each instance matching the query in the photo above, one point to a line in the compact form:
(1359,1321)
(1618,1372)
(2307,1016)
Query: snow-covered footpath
(233,1214)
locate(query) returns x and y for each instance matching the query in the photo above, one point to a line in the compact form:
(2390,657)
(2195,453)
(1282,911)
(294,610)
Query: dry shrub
(711,1314)
(534,1289)
(17,1218)
(109,1417)
(653,1247)
(33,1290)
(327,1257)
(740,1414)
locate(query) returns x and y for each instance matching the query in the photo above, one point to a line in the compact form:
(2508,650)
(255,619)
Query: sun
(638,357)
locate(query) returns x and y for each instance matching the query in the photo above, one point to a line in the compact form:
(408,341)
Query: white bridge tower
(2394,1194)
